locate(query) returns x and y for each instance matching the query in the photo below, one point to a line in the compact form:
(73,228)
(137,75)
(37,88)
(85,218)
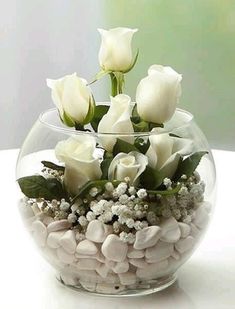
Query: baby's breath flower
(109,187)
(93,192)
(132,190)
(141,193)
(90,216)
(64,206)
(72,218)
(130,223)
(82,221)
(167,183)
(123,199)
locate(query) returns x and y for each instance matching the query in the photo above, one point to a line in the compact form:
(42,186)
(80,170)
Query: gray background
(41,39)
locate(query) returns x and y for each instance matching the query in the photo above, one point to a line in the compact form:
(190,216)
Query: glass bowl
(105,230)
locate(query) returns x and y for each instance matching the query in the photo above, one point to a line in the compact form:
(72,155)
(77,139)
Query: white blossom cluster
(126,208)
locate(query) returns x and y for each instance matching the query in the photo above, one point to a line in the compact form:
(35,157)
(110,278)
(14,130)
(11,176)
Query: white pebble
(39,233)
(114,249)
(184,229)
(201,217)
(88,264)
(58,225)
(102,270)
(185,244)
(105,288)
(89,286)
(64,256)
(140,263)
(127,278)
(121,267)
(69,279)
(195,232)
(147,237)
(98,231)
(161,251)
(152,271)
(134,253)
(53,239)
(68,242)
(170,230)
(86,247)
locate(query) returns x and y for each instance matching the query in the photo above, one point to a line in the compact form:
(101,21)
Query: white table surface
(207,280)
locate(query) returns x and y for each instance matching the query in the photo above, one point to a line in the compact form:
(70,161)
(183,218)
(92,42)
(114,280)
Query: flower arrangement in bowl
(116,195)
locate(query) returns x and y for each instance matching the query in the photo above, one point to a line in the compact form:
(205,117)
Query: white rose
(117,120)
(80,164)
(73,98)
(165,151)
(130,165)
(115,51)
(158,93)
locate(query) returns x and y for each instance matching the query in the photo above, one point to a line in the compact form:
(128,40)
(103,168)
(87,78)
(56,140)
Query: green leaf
(151,178)
(93,183)
(91,111)
(39,187)
(99,75)
(99,112)
(104,167)
(142,145)
(53,166)
(123,146)
(188,165)
(165,192)
(155,125)
(141,126)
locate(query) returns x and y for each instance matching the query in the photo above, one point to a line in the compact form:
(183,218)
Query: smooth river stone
(109,288)
(39,233)
(88,264)
(170,230)
(86,247)
(58,225)
(102,270)
(201,217)
(147,237)
(121,267)
(195,232)
(69,279)
(127,278)
(185,244)
(175,255)
(184,229)
(98,231)
(68,242)
(53,239)
(47,220)
(64,256)
(140,263)
(161,251)
(153,270)
(89,286)
(114,248)
(135,254)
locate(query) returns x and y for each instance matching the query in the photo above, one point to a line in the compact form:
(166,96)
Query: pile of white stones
(101,262)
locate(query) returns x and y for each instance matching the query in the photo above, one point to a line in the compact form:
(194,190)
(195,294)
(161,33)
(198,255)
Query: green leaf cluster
(39,187)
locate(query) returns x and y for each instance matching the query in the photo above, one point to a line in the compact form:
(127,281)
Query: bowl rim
(188,118)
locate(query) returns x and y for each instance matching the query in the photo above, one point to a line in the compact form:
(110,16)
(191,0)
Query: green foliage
(141,144)
(99,184)
(188,165)
(99,112)
(151,178)
(53,166)
(39,187)
(123,146)
(105,166)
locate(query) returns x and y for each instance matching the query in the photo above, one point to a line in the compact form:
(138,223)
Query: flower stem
(117,82)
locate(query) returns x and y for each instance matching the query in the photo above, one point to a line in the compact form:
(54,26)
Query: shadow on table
(172,297)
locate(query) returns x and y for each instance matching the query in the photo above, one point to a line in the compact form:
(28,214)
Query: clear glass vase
(116,237)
